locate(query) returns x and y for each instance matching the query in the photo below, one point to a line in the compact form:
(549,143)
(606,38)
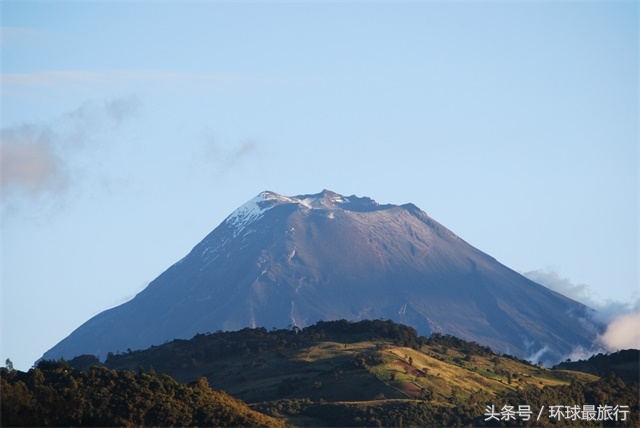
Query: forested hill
(625,363)
(338,373)
(204,348)
(373,373)
(55,394)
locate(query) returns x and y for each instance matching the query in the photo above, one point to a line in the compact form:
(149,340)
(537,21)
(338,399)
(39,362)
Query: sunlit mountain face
(284,261)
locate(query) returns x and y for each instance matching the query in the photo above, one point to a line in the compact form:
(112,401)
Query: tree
(8,364)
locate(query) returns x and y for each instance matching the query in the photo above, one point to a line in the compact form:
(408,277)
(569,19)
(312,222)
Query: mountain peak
(329,200)
(306,199)
(323,200)
(255,208)
(279,260)
(326,199)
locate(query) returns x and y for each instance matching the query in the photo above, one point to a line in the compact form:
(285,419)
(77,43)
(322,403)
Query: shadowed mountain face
(279,261)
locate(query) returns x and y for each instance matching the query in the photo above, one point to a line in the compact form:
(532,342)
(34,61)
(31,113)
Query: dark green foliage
(189,354)
(382,413)
(271,370)
(468,348)
(346,331)
(84,362)
(55,394)
(366,359)
(625,364)
(464,412)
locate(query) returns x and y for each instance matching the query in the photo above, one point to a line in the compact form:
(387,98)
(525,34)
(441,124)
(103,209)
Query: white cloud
(622,333)
(622,318)
(536,356)
(28,161)
(34,158)
(581,353)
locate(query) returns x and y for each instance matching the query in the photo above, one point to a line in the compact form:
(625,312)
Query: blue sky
(132,129)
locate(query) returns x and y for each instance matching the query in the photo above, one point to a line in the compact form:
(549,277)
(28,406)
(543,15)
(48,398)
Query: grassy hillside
(371,372)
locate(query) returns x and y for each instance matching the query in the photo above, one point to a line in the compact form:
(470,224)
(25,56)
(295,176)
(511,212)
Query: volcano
(285,261)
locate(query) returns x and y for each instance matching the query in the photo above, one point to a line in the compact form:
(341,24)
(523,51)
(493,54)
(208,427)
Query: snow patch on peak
(247,214)
(272,196)
(308,202)
(292,254)
(323,200)
(338,199)
(256,207)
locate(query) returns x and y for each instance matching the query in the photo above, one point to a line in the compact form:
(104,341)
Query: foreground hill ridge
(367,373)
(624,363)
(54,394)
(281,260)
(400,361)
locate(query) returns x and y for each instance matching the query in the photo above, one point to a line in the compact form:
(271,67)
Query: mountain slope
(279,261)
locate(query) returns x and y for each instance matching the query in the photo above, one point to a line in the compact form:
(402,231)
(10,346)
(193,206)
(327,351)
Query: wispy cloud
(120,109)
(606,309)
(51,78)
(553,280)
(536,356)
(93,117)
(10,35)
(34,158)
(224,157)
(29,162)
(144,78)
(622,318)
(243,150)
